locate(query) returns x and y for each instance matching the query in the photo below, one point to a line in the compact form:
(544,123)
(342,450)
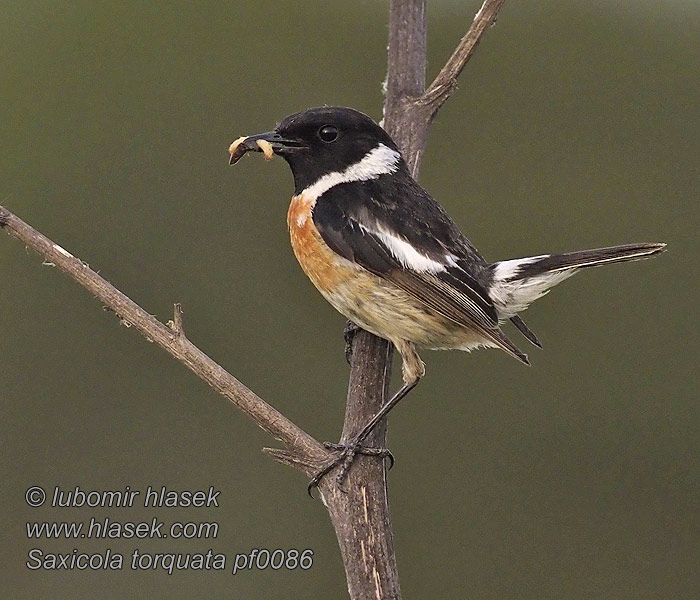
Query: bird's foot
(349,335)
(344,459)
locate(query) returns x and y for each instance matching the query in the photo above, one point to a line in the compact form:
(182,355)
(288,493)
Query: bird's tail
(518,282)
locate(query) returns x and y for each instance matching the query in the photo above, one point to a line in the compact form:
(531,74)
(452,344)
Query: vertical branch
(405,79)
(361,515)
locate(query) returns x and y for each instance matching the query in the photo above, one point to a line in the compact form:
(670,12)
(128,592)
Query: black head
(320,140)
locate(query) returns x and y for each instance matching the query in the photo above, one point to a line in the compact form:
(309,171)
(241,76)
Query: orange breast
(323,266)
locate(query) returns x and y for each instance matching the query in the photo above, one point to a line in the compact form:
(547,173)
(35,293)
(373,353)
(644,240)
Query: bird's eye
(328,133)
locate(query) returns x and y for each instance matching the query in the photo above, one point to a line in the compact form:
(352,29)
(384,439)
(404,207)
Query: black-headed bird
(386,255)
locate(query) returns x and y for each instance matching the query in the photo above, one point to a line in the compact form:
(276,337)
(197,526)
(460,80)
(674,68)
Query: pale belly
(389,312)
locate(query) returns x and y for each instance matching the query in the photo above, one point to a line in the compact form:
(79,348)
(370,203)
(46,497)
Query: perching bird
(386,255)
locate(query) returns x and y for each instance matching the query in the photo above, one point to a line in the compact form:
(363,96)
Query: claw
(316,479)
(346,456)
(390,456)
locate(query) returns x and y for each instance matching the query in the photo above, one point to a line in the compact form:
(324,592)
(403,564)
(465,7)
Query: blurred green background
(576,125)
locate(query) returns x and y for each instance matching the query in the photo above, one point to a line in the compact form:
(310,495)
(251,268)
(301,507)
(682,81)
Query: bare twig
(446,81)
(299,443)
(409,108)
(361,517)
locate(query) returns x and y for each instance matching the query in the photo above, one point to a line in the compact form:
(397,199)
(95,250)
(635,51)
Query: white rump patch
(513,296)
(507,269)
(380,161)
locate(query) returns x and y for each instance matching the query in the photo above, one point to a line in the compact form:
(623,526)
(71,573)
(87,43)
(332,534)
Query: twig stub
(176,323)
(4,217)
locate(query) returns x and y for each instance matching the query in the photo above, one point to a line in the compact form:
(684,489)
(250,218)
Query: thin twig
(446,81)
(299,443)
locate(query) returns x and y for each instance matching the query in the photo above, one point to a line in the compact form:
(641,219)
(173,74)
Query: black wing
(374,225)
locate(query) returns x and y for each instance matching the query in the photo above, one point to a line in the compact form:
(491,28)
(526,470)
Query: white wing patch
(406,254)
(382,160)
(379,161)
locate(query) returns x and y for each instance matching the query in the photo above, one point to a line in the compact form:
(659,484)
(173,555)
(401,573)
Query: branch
(361,517)
(445,83)
(308,452)
(405,78)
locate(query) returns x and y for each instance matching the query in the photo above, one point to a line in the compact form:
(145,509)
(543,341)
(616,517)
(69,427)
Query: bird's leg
(413,369)
(349,332)
(349,450)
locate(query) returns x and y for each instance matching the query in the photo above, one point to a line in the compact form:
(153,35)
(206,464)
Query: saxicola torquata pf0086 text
(386,255)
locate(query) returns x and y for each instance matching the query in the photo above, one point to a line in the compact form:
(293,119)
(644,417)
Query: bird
(384,253)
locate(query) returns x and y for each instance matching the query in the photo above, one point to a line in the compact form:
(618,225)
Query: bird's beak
(269,143)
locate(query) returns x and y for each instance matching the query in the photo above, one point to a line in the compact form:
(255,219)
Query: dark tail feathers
(588,258)
(518,282)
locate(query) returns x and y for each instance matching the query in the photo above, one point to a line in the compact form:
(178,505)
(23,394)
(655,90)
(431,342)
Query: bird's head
(324,140)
